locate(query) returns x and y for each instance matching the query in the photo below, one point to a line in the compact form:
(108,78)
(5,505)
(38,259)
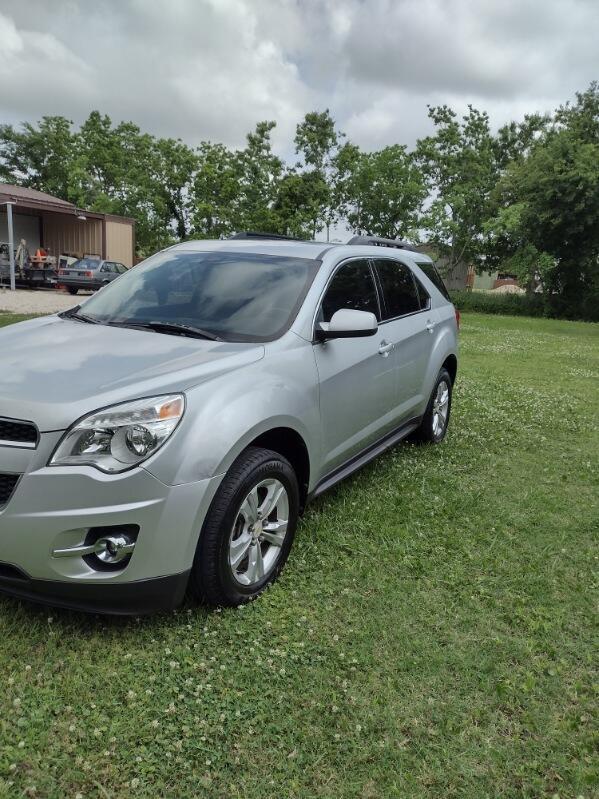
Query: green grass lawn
(433,634)
(11,318)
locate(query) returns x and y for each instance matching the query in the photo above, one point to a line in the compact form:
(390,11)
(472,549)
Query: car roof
(292,248)
(289,248)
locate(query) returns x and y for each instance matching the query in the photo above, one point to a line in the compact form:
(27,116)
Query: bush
(523,305)
(506,304)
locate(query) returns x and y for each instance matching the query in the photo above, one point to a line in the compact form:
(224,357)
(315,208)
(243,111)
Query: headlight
(122,436)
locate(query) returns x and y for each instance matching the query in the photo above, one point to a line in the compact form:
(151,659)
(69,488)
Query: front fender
(226,414)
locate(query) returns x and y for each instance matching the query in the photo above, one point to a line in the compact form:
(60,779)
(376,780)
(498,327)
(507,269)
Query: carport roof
(32,198)
(35,200)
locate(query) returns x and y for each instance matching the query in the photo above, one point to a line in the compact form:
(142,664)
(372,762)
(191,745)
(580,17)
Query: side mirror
(348,323)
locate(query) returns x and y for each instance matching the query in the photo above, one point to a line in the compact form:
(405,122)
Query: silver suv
(166,434)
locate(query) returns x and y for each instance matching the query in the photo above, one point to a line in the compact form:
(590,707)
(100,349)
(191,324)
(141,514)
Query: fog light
(104,551)
(113,548)
(104,548)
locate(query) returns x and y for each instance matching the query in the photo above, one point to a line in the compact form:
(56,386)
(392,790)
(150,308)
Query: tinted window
(121,269)
(425,297)
(86,263)
(237,296)
(399,288)
(430,270)
(352,287)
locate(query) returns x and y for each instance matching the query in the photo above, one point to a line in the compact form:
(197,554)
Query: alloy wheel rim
(259,532)
(440,408)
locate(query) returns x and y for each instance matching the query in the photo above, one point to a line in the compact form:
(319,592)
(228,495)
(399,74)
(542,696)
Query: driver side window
(351,287)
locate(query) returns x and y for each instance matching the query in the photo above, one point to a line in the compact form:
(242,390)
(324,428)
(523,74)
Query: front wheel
(72,290)
(433,426)
(248,531)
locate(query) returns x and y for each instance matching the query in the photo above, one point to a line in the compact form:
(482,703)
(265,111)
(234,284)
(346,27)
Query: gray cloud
(210,69)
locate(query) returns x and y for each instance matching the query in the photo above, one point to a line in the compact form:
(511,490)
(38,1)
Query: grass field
(433,635)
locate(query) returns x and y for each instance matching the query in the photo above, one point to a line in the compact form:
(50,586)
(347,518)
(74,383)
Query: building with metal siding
(63,229)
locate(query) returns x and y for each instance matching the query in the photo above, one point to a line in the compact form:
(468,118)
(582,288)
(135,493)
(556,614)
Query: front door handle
(385,348)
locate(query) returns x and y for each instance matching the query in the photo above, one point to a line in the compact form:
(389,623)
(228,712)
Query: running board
(364,457)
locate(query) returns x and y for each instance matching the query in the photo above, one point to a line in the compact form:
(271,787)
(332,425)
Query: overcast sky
(210,69)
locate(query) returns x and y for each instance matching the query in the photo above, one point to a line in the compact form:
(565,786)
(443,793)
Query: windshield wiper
(173,328)
(73,313)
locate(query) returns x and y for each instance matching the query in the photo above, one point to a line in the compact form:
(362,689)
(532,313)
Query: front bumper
(55,507)
(121,599)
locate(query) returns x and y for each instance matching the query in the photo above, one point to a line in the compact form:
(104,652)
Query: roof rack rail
(377,241)
(252,234)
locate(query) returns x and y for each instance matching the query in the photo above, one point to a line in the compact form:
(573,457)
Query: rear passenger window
(425,297)
(352,287)
(431,271)
(400,291)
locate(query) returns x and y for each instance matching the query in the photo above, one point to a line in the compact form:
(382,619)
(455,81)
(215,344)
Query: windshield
(236,296)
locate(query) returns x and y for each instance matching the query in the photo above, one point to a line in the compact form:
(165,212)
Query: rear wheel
(434,423)
(72,289)
(249,529)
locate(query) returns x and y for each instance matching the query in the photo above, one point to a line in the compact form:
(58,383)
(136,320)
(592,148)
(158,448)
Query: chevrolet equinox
(166,434)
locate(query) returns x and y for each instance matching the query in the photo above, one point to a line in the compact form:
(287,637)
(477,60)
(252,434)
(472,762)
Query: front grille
(8,484)
(16,432)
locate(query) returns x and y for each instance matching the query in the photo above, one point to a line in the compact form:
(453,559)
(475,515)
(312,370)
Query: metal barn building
(63,229)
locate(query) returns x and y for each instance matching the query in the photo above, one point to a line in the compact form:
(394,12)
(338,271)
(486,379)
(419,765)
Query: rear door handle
(430,326)
(385,348)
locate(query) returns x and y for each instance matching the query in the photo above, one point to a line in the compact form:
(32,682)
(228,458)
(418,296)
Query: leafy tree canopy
(523,199)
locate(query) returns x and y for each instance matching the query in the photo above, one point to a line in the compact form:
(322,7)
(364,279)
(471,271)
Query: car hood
(53,371)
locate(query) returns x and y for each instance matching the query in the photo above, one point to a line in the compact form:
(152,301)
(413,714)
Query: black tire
(428,432)
(72,289)
(212,578)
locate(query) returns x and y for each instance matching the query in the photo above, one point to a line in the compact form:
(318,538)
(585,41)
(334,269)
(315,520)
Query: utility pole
(11,244)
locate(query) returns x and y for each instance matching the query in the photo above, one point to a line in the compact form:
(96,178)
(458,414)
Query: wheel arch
(290,444)
(283,437)
(443,355)
(451,364)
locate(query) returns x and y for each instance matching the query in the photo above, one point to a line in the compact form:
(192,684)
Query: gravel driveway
(37,302)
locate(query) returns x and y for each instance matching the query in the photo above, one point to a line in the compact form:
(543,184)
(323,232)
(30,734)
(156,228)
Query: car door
(113,272)
(106,273)
(357,378)
(407,323)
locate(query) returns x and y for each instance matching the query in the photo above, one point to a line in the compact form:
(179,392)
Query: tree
(41,157)
(124,173)
(260,172)
(300,197)
(175,165)
(318,142)
(384,192)
(215,192)
(516,139)
(582,118)
(461,169)
(104,168)
(546,214)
